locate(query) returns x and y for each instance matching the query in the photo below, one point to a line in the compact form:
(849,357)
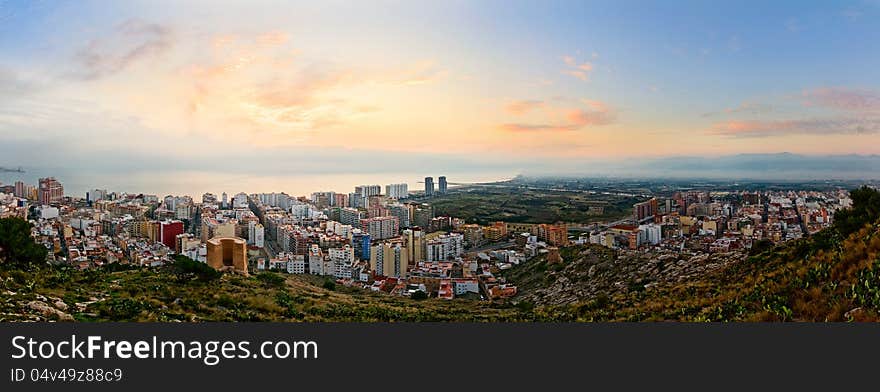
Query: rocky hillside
(590,271)
(833,275)
(163,294)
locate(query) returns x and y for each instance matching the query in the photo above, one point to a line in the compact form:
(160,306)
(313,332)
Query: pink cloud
(581,118)
(273,38)
(841,98)
(523,107)
(567,120)
(578,74)
(578,70)
(820,126)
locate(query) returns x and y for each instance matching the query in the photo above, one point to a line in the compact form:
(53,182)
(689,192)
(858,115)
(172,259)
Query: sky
(519,86)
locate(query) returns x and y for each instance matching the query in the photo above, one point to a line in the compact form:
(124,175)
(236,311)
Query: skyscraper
(397,191)
(389,259)
(401,212)
(360,241)
(50,191)
(96,194)
(23,190)
(429,186)
(645,210)
(368,190)
(421,215)
(442,185)
(381,227)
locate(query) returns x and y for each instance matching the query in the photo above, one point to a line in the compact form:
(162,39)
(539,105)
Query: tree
(329,285)
(185,268)
(16,244)
(761,246)
(865,209)
(419,295)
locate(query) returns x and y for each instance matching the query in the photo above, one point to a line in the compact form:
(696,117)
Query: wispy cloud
(855,112)
(745,107)
(523,107)
(273,38)
(261,83)
(840,98)
(129,42)
(14,85)
(819,126)
(593,113)
(580,70)
(793,25)
(423,72)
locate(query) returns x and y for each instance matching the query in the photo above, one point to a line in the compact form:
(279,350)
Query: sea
(196,183)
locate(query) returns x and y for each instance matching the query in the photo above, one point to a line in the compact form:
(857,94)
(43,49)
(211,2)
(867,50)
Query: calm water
(195,183)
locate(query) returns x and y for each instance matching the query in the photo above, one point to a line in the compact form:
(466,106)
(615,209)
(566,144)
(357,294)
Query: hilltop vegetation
(186,292)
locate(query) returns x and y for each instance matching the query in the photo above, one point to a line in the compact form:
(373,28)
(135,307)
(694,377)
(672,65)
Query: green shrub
(16,244)
(419,295)
(187,268)
(865,209)
(271,279)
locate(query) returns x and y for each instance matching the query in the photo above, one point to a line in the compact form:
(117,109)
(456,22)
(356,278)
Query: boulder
(48,311)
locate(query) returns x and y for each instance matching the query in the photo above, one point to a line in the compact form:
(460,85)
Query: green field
(511,204)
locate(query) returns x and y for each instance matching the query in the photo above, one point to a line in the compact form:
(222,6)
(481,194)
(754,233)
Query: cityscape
(445,161)
(390,239)
(228,194)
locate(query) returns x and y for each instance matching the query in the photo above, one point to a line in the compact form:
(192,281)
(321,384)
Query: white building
(463,286)
(397,191)
(316,261)
(445,247)
(48,212)
(197,253)
(301,210)
(240,200)
(296,264)
(381,227)
(342,259)
(339,229)
(350,216)
(649,234)
(368,190)
(256,234)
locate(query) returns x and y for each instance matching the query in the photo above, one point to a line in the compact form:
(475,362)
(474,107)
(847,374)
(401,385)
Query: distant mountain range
(751,166)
